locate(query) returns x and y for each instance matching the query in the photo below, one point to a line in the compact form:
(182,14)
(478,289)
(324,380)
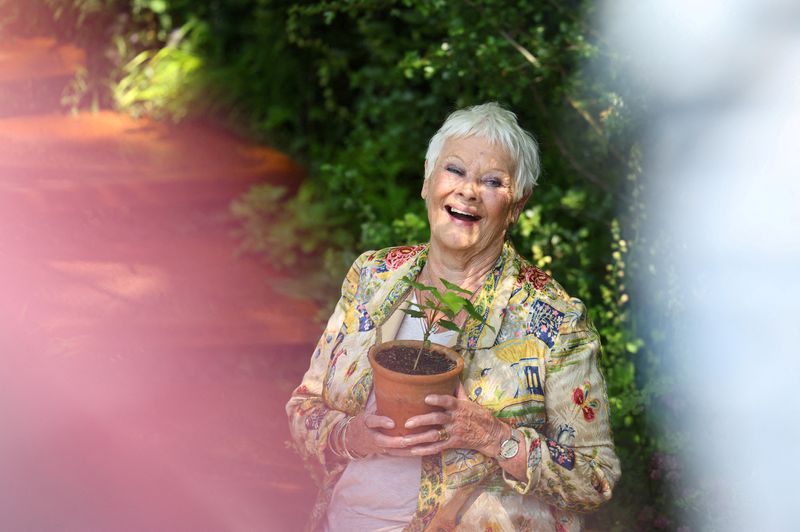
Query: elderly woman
(525,442)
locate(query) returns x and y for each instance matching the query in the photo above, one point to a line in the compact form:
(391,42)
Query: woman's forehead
(469,148)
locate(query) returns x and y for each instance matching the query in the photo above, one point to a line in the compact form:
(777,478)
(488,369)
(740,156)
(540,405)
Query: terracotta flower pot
(401,396)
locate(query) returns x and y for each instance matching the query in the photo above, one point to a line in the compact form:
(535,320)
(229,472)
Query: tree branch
(521,49)
(587,117)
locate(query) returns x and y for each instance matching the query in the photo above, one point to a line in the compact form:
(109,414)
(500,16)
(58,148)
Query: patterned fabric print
(401,285)
(529,381)
(368,284)
(318,349)
(562,476)
(565,435)
(365,323)
(535,454)
(510,382)
(580,396)
(534,277)
(430,493)
(337,352)
(361,390)
(484,300)
(514,325)
(565,522)
(314,420)
(478,387)
(563,456)
(572,318)
(599,481)
(400,255)
(465,467)
(545,322)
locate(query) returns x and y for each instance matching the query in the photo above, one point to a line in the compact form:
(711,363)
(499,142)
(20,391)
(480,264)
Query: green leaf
(472,311)
(419,286)
(454,287)
(454,303)
(447,324)
(414,313)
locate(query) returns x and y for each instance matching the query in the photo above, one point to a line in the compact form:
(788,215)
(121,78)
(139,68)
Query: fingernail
(410,424)
(428,399)
(389,424)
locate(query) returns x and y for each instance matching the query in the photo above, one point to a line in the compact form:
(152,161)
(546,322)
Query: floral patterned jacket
(537,370)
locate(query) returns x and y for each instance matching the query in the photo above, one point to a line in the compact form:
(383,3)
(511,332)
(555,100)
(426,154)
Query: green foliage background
(354,89)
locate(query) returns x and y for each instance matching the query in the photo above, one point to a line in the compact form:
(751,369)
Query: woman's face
(470,197)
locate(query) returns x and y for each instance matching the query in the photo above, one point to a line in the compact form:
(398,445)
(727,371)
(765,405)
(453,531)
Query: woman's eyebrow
(502,172)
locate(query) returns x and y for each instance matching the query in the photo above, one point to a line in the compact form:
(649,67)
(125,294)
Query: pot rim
(449,352)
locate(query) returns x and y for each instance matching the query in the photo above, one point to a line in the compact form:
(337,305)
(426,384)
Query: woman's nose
(468,189)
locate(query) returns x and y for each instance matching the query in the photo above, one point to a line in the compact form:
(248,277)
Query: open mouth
(461,215)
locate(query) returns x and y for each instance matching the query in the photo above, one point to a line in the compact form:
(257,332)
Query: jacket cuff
(533,443)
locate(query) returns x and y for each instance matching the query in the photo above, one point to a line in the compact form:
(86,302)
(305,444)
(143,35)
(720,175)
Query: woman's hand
(364,437)
(463,424)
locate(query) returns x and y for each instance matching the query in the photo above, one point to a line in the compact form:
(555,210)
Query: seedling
(447,304)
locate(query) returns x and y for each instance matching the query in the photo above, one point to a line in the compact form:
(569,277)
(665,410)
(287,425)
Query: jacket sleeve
(310,417)
(572,464)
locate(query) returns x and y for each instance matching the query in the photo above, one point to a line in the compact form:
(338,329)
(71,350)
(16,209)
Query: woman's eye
(493,182)
(455,170)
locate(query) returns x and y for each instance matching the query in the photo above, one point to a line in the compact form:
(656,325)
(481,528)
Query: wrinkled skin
(469,425)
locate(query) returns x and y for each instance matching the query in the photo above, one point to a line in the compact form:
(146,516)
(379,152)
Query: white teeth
(453,209)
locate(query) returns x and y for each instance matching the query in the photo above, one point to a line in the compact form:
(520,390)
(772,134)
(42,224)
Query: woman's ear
(517,209)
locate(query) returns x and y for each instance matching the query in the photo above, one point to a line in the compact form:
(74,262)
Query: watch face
(509,447)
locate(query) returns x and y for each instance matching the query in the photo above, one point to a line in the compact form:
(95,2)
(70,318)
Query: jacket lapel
(492,301)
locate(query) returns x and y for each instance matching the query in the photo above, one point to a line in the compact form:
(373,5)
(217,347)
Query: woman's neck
(468,272)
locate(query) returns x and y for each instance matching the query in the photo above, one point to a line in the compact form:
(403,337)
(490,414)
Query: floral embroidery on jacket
(580,396)
(399,256)
(533,275)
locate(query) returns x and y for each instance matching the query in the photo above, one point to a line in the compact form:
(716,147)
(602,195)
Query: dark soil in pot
(401,359)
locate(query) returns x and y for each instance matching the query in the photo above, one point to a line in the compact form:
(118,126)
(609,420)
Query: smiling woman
(511,448)
(470,198)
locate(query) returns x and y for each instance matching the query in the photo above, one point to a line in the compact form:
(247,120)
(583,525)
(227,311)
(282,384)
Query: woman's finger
(399,452)
(420,438)
(444,401)
(391,442)
(437,441)
(431,418)
(375,421)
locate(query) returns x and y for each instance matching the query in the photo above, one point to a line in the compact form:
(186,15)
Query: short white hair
(499,126)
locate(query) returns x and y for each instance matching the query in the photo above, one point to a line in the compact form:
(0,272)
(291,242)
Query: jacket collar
(490,301)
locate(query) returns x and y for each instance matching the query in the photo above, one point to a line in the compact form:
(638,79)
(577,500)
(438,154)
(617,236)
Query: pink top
(380,492)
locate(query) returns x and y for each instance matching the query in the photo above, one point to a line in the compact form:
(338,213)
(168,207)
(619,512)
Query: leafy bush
(355,89)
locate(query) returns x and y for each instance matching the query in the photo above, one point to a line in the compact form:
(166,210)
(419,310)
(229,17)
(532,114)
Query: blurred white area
(723,180)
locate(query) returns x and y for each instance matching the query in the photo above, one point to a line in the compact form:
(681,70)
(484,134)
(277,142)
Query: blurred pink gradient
(143,367)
